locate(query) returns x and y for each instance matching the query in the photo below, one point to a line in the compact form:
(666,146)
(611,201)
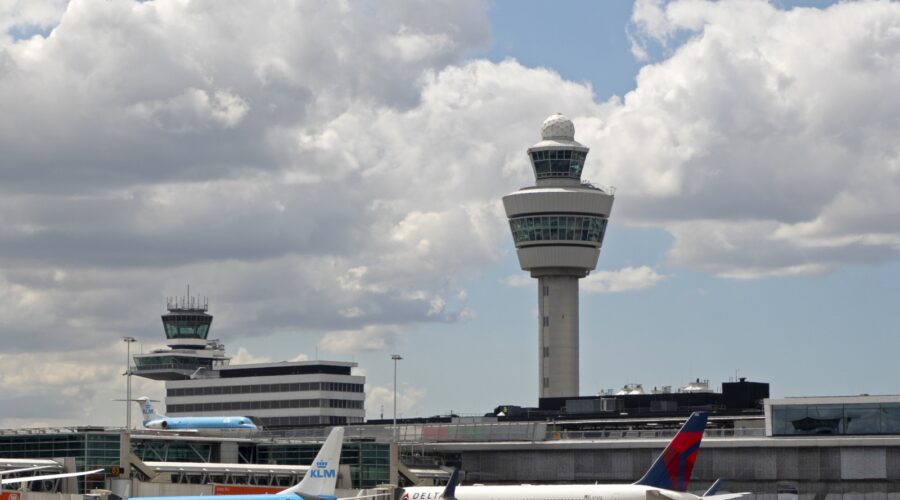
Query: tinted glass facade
(260,388)
(150,450)
(369,462)
(290,369)
(558,163)
(175,362)
(90,451)
(187,325)
(300,421)
(825,419)
(265,405)
(558,228)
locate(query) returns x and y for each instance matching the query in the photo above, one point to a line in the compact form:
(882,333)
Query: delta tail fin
(672,469)
(321,477)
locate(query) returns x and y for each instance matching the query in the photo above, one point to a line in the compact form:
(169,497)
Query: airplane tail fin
(147,410)
(672,469)
(321,477)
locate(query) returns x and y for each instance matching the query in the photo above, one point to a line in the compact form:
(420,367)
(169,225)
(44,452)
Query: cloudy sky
(329,174)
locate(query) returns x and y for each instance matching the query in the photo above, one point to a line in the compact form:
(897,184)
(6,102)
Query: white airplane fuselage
(550,492)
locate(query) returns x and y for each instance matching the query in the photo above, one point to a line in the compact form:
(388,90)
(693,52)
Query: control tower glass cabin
(558,227)
(186,325)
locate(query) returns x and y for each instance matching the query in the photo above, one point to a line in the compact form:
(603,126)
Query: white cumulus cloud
(369,338)
(766,143)
(621,280)
(379,398)
(336,168)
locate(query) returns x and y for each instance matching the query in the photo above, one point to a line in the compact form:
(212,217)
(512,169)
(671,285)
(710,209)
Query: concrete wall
(36,495)
(141,489)
(820,472)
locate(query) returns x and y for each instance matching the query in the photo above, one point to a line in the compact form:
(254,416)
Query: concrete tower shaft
(558,227)
(558,327)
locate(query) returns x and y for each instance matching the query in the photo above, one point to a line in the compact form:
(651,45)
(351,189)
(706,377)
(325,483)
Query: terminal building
(834,448)
(278,395)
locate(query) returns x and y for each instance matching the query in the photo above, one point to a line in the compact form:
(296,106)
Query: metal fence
(496,431)
(653,434)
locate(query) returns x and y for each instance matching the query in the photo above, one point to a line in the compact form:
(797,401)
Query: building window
(546,382)
(558,163)
(546,320)
(255,389)
(546,352)
(546,291)
(558,228)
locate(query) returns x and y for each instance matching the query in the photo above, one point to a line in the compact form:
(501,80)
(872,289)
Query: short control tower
(558,227)
(187,326)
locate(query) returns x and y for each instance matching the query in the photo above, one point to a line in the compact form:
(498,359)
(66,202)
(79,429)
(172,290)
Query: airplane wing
(727,496)
(659,495)
(26,469)
(16,480)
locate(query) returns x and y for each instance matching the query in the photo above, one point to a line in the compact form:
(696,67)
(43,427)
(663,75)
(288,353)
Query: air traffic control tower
(558,227)
(187,326)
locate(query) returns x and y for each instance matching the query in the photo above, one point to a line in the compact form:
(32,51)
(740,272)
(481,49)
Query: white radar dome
(558,127)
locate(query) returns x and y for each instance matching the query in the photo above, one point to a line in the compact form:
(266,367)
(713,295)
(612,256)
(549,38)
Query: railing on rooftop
(446,433)
(653,434)
(26,431)
(496,432)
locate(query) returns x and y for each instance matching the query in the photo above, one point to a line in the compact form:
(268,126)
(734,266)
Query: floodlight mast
(395,357)
(128,341)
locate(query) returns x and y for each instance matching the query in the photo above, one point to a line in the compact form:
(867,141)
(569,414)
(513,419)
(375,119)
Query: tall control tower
(558,227)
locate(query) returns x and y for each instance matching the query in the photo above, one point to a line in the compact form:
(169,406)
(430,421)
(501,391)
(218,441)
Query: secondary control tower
(558,227)
(187,326)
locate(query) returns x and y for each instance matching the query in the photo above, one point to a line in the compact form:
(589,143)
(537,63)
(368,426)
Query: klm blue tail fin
(672,469)
(321,477)
(147,411)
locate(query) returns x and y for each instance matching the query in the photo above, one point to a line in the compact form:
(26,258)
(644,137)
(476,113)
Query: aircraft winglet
(714,488)
(449,492)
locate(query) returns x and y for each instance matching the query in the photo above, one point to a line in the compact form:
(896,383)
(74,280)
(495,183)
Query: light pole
(128,341)
(395,357)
